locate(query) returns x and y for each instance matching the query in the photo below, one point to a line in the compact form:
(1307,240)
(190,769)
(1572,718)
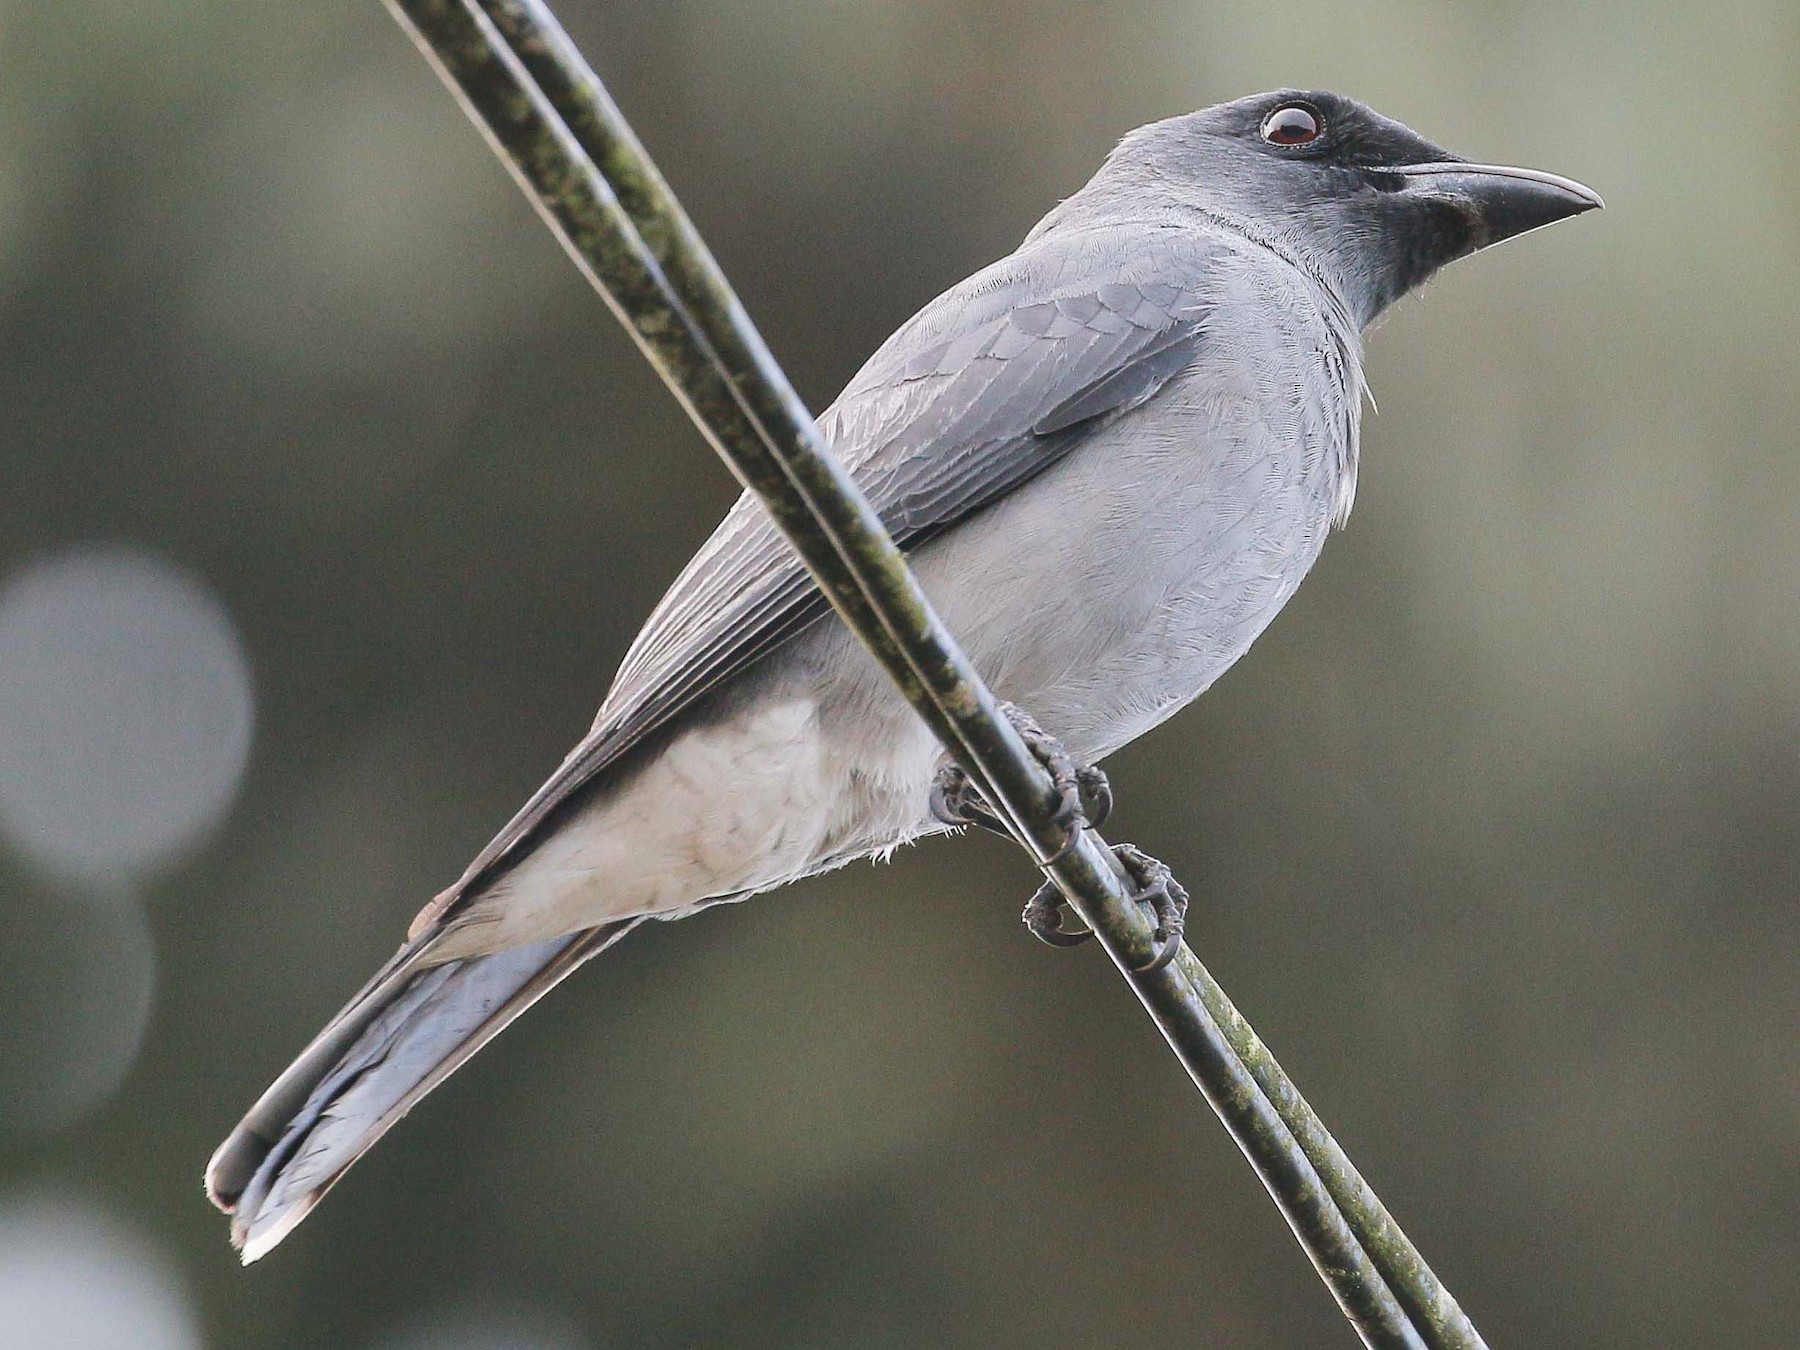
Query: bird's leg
(1086,796)
(1156,887)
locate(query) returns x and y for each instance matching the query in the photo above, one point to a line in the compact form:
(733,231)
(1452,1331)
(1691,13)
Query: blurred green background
(331,499)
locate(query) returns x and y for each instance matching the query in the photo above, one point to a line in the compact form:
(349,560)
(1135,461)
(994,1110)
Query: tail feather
(406,1031)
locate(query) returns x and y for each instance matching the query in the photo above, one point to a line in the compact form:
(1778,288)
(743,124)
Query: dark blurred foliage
(1493,835)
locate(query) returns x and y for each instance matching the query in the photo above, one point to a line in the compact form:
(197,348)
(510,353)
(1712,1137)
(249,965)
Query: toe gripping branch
(1086,799)
(1157,888)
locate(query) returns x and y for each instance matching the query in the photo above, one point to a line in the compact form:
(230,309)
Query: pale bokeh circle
(482,1326)
(73,1279)
(125,712)
(79,975)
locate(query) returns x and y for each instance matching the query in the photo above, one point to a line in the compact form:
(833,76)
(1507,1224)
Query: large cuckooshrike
(1112,456)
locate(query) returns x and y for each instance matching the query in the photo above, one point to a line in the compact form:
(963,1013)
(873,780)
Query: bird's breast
(1117,586)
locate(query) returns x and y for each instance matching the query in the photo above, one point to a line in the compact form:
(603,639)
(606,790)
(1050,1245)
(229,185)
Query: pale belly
(1102,597)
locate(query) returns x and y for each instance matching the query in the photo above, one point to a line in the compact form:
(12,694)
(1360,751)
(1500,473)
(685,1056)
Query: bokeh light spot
(71,1279)
(478,1326)
(78,976)
(125,713)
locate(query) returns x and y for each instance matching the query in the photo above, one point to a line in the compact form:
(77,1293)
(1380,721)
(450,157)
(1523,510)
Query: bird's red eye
(1295,124)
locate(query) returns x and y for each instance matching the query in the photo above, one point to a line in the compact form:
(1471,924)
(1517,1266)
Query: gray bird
(1112,456)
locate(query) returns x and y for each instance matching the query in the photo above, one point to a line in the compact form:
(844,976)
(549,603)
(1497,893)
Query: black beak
(1497,202)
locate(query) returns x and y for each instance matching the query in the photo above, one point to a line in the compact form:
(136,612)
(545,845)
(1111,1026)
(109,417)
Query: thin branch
(552,122)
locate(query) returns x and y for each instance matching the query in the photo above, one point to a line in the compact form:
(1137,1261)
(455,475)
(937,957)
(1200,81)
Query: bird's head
(1366,202)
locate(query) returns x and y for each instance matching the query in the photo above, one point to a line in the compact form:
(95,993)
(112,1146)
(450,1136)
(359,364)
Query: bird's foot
(1086,799)
(1085,795)
(1166,897)
(1043,917)
(1157,888)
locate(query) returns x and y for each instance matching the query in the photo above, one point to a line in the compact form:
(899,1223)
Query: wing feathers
(983,389)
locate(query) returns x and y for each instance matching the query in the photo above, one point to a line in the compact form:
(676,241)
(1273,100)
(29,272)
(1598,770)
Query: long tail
(408,1029)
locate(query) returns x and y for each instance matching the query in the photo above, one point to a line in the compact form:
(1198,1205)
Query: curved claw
(1166,951)
(955,801)
(945,788)
(1067,846)
(1095,790)
(1056,937)
(1043,916)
